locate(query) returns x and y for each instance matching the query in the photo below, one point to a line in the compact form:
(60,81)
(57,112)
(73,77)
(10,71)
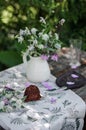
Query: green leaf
(51,49)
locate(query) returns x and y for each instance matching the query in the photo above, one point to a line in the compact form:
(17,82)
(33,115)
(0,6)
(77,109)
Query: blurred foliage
(16,14)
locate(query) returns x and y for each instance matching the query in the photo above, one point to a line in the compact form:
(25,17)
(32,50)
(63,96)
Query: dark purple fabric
(69,81)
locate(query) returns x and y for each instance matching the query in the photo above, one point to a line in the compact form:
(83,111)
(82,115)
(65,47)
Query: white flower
(42,20)
(33,31)
(45,37)
(50,34)
(57,36)
(13,99)
(20,39)
(21,32)
(40,46)
(1,104)
(40,34)
(31,48)
(62,21)
(18,103)
(27,31)
(53,11)
(35,42)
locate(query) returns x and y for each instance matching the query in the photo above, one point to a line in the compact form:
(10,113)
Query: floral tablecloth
(58,109)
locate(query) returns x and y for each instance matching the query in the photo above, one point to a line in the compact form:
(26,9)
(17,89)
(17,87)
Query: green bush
(16,14)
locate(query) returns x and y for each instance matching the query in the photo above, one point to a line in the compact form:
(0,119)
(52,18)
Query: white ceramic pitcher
(37,69)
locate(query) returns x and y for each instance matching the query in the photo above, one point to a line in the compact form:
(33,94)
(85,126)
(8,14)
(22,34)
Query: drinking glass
(75,52)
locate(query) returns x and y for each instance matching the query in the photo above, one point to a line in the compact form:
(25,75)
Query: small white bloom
(27,31)
(1,104)
(50,34)
(40,46)
(20,39)
(53,11)
(35,41)
(45,37)
(57,36)
(13,99)
(18,103)
(33,31)
(62,21)
(21,32)
(42,20)
(31,48)
(40,34)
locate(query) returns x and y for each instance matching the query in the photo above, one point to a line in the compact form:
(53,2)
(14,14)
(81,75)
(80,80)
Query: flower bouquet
(42,42)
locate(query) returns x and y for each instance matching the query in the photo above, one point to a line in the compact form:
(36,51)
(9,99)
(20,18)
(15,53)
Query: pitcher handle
(25,54)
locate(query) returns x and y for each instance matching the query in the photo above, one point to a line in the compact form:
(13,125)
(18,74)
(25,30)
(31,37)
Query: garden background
(18,14)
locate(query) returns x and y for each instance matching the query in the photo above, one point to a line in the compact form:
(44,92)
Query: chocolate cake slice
(32,93)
